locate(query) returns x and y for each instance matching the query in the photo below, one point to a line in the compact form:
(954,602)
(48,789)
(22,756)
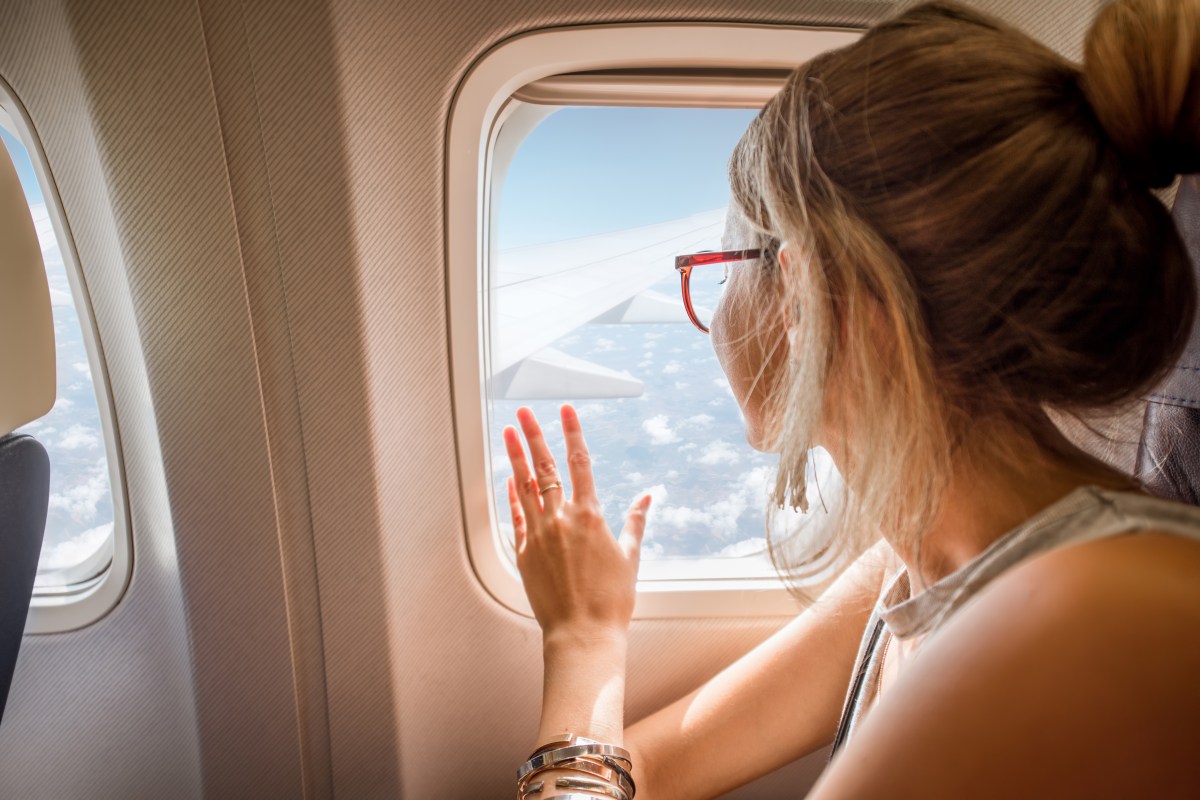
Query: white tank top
(1086,514)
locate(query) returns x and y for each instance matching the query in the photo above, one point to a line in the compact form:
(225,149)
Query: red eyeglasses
(685,265)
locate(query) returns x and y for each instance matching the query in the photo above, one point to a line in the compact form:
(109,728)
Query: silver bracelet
(565,753)
(610,771)
(624,778)
(533,788)
(592,785)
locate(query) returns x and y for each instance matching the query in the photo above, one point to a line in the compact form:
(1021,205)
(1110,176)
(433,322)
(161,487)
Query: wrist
(584,684)
(584,638)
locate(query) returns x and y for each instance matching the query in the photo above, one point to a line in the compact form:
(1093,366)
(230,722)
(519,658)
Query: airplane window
(584,307)
(78,542)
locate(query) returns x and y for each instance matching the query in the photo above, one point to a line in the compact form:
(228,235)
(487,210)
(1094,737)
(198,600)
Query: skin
(751,358)
(1072,675)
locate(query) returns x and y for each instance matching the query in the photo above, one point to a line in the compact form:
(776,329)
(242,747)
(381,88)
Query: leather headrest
(1182,385)
(27,369)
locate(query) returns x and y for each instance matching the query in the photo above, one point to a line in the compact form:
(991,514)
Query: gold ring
(555,485)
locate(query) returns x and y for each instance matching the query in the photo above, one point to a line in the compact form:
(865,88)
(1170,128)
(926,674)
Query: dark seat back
(24,494)
(1168,460)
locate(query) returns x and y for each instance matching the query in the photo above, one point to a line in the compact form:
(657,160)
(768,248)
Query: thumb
(635,527)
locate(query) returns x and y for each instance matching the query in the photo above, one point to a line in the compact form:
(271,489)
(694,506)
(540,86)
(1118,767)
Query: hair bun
(1142,76)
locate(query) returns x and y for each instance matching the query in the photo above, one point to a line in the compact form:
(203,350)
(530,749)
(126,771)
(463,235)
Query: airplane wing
(540,293)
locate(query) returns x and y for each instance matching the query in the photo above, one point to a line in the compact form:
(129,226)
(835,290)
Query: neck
(991,492)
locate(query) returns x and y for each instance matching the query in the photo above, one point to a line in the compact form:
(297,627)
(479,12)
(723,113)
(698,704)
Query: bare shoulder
(1100,586)
(1072,675)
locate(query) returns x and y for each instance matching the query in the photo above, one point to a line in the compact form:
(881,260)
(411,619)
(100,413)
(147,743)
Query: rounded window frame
(666,589)
(78,603)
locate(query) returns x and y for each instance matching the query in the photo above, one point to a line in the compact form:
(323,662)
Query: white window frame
(666,589)
(80,602)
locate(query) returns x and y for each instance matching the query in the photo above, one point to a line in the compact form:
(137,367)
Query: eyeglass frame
(686,263)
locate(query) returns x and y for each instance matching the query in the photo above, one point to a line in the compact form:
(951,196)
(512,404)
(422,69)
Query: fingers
(544,468)
(524,484)
(579,461)
(518,517)
(635,528)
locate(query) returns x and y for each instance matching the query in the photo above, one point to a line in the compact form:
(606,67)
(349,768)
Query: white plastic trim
(667,589)
(64,608)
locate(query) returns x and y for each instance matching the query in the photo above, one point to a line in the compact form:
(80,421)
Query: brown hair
(973,239)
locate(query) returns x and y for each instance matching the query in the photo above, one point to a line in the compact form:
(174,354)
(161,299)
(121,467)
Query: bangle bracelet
(612,773)
(533,788)
(590,785)
(622,774)
(566,753)
(568,740)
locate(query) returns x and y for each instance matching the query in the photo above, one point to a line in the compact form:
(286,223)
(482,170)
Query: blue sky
(593,170)
(24,166)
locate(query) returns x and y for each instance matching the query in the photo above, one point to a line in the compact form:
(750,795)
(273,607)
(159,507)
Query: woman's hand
(579,578)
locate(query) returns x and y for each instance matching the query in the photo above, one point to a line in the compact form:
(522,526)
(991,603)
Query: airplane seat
(1168,458)
(27,391)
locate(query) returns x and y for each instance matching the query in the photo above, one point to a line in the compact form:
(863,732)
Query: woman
(958,235)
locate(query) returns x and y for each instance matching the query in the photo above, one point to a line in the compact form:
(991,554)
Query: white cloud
(699,420)
(81,500)
(660,430)
(59,298)
(604,346)
(635,477)
(718,521)
(63,403)
(77,437)
(719,518)
(658,493)
(75,550)
(672,368)
(725,513)
(683,516)
(82,368)
(681,385)
(757,479)
(719,452)
(652,551)
(589,411)
(745,547)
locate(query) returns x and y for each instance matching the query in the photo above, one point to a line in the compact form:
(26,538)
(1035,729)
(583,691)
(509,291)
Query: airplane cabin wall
(256,193)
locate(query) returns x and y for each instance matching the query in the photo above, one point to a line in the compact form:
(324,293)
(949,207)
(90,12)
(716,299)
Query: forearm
(583,686)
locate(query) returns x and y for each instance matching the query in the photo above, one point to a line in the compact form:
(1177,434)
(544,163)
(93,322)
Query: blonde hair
(971,239)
